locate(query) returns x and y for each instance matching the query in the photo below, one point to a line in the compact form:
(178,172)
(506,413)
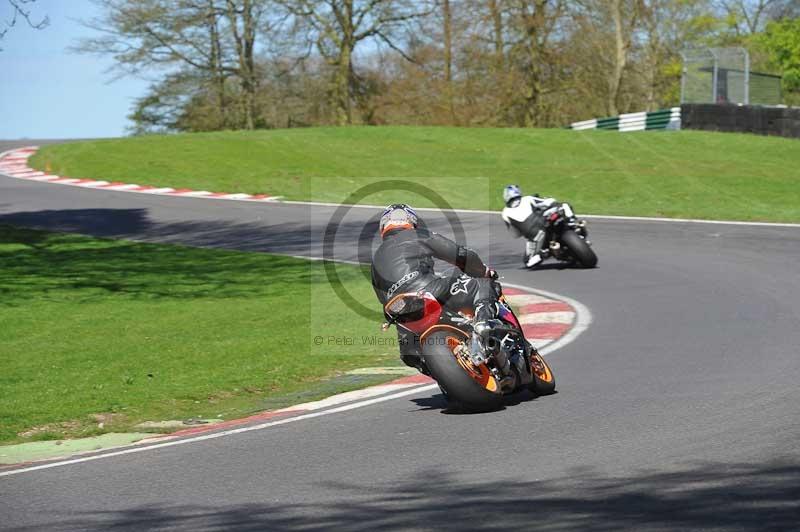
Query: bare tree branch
(19,11)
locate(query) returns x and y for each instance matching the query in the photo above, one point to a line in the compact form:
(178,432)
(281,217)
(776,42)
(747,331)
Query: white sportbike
(565,234)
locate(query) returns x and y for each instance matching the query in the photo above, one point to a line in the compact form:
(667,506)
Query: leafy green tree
(781,40)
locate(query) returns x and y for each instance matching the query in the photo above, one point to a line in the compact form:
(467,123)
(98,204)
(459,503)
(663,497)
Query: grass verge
(104,331)
(678,174)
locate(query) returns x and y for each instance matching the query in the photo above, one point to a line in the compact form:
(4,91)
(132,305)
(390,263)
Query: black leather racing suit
(404,263)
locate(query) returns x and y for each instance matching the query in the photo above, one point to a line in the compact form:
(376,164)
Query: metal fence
(723,75)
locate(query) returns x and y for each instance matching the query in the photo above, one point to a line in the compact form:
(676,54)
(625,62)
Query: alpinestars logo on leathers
(403,280)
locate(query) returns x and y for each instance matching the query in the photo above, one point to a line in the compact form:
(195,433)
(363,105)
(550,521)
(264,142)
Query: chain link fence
(723,75)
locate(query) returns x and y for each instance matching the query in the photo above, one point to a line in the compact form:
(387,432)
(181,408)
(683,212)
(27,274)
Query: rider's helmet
(510,194)
(398,216)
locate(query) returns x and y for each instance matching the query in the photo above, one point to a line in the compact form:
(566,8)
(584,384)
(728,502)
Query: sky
(47,91)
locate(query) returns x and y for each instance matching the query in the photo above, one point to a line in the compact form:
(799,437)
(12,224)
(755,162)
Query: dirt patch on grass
(105,419)
(91,425)
(55,429)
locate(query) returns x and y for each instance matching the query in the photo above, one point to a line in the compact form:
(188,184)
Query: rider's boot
(410,355)
(486,309)
(533,260)
(415,361)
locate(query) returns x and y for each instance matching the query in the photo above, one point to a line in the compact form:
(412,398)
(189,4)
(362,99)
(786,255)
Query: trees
(625,15)
(336,27)
(667,28)
(447,30)
(610,28)
(748,17)
(781,39)
(248,64)
(208,41)
(21,12)
(535,25)
(242,19)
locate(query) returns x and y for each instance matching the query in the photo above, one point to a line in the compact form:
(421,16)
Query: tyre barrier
(642,121)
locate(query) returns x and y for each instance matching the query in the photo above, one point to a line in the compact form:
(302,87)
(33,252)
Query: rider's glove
(491,274)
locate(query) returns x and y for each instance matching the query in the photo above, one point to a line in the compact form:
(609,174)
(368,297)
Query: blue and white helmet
(398,216)
(511,192)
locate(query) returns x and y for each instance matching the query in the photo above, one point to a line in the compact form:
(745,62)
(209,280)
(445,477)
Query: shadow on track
(438,402)
(301,237)
(62,267)
(136,225)
(709,496)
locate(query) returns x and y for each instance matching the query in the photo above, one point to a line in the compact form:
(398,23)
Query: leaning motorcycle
(568,237)
(566,234)
(474,368)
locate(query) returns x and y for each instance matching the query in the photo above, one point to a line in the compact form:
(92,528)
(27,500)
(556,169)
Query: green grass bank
(114,332)
(675,174)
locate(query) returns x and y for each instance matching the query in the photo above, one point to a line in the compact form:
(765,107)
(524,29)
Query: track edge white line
(583,319)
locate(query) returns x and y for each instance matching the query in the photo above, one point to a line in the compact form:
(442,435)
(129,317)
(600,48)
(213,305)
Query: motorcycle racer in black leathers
(404,263)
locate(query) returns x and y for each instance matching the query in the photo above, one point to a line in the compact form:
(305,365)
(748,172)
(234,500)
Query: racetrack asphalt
(677,409)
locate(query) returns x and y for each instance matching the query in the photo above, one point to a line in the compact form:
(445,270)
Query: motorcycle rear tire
(580,250)
(460,389)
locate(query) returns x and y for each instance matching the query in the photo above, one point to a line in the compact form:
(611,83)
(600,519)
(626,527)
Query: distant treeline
(247,64)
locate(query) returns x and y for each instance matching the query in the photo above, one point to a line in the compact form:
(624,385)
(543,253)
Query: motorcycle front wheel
(544,383)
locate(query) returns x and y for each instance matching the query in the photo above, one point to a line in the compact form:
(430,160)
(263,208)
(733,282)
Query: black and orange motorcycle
(474,368)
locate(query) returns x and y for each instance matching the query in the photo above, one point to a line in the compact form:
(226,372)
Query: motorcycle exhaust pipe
(554,246)
(492,345)
(507,380)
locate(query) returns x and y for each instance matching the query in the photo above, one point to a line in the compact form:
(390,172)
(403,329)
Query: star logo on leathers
(460,286)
